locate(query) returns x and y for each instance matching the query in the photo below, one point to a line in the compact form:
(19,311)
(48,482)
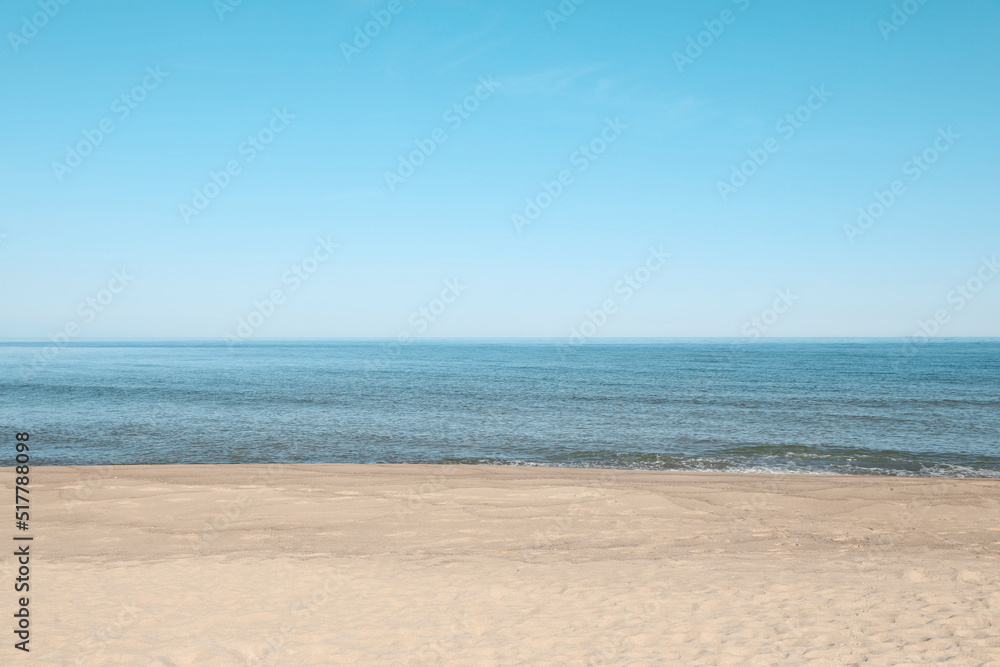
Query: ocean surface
(813,406)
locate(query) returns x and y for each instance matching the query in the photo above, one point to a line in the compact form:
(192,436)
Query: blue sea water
(816,406)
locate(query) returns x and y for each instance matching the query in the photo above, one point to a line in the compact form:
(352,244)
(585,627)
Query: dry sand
(469,565)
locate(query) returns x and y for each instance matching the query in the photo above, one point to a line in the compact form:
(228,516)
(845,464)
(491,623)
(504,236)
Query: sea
(816,406)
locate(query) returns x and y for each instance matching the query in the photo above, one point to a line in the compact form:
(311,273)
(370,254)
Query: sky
(412,168)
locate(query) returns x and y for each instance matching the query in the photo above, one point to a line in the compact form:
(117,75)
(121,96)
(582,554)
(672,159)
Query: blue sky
(224,79)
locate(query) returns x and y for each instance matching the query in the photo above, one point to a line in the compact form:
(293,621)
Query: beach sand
(475,565)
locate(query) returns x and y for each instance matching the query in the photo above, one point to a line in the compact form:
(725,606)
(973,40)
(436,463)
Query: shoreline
(417,564)
(528,466)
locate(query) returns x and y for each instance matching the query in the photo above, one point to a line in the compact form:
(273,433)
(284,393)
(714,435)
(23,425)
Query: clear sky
(311,116)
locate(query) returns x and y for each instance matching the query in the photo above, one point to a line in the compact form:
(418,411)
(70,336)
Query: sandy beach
(475,565)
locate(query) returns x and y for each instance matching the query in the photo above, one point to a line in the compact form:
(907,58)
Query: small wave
(794,462)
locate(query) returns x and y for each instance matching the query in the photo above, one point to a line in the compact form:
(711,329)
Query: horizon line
(261,339)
